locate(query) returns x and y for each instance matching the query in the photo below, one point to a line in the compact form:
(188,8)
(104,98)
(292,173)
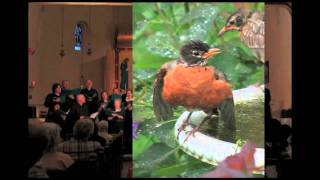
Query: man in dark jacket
(77,112)
(92,96)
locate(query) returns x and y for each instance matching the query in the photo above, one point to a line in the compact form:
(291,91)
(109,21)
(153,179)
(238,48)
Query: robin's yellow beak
(211,53)
(226,29)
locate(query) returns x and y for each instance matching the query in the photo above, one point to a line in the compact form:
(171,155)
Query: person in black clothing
(123,95)
(116,118)
(115,95)
(104,106)
(92,96)
(57,116)
(53,98)
(78,111)
(67,96)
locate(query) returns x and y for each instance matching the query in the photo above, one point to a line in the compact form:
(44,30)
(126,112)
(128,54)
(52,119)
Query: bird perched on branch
(251,27)
(189,82)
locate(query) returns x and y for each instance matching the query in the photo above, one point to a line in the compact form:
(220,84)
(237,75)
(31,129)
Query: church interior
(85,49)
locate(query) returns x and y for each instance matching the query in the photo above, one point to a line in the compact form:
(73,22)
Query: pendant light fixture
(62,52)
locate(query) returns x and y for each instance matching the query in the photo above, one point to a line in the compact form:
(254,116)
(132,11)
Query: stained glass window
(78,33)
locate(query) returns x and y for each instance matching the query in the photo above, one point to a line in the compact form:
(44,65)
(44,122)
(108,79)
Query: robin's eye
(195,53)
(239,21)
(231,22)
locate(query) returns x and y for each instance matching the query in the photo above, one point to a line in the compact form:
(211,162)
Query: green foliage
(160,29)
(142,144)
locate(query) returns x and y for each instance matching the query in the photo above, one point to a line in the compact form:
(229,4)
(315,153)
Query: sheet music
(94,115)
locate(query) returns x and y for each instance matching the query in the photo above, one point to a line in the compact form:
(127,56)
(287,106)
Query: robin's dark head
(197,53)
(235,21)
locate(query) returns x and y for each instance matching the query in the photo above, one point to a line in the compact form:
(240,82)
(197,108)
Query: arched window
(79,32)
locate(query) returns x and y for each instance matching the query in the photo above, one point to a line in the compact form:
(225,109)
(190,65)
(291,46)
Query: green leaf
(260,7)
(142,143)
(162,44)
(148,14)
(171,171)
(205,11)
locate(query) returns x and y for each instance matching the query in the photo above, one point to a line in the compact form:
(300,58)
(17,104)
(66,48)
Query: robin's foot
(191,133)
(182,127)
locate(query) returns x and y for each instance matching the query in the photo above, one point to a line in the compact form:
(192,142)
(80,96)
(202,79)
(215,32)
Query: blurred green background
(160,29)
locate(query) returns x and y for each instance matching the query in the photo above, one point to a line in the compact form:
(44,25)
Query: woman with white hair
(52,160)
(103,131)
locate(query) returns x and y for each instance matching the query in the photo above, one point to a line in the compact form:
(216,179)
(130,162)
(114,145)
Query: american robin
(251,27)
(189,82)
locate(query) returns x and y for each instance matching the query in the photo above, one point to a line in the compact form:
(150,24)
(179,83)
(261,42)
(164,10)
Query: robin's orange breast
(194,88)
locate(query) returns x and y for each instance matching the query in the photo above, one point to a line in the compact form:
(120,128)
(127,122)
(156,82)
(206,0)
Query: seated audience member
(80,148)
(37,143)
(104,106)
(53,98)
(103,131)
(78,111)
(56,116)
(92,96)
(116,118)
(67,96)
(52,160)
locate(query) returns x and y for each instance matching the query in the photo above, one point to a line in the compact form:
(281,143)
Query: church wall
(47,67)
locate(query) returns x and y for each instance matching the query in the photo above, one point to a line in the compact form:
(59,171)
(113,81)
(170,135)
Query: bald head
(117,103)
(81,99)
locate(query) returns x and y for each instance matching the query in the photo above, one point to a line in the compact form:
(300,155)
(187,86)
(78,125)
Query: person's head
(37,142)
(89,84)
(116,91)
(81,99)
(83,129)
(103,126)
(54,138)
(56,88)
(129,93)
(104,95)
(65,84)
(117,103)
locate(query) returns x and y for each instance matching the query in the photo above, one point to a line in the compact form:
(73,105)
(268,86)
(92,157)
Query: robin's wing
(162,109)
(226,109)
(253,32)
